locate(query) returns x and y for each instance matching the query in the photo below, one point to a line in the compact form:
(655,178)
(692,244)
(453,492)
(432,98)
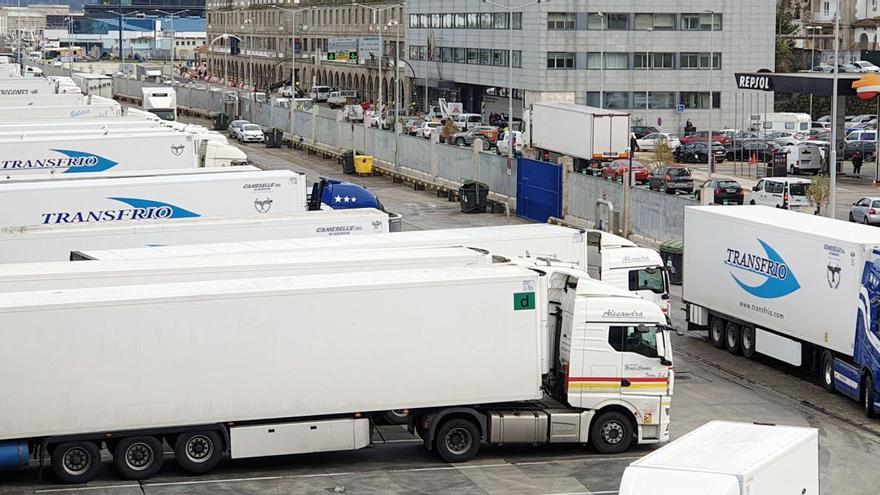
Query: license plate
(730,190)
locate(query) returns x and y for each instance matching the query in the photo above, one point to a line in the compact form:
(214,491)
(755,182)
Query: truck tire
(826,372)
(486,145)
(198,452)
(458,440)
(733,338)
(396,417)
(748,341)
(611,433)
(868,397)
(138,458)
(76,462)
(716,332)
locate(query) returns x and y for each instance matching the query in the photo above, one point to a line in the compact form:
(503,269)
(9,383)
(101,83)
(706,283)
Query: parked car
(411,126)
(789,193)
(426,128)
(671,179)
(725,191)
(487,133)
(502,146)
(618,168)
(862,135)
(866,211)
(821,125)
(824,68)
(235,127)
(643,130)
(763,151)
(865,66)
(649,142)
(353,113)
(250,133)
(696,152)
(786,138)
(868,149)
(704,136)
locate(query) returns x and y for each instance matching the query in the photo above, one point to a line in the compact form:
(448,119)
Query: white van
(803,157)
(862,135)
(789,193)
(798,123)
(320,93)
(465,121)
(339,99)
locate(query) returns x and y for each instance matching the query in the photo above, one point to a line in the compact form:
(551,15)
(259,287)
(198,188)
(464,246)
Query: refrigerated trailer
(56,242)
(69,112)
(802,289)
(21,277)
(578,131)
(118,174)
(94,84)
(726,458)
(89,153)
(262,386)
(606,257)
(158,197)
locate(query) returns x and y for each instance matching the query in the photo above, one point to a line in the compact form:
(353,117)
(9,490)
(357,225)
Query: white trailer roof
(119,174)
(726,447)
(34,300)
(50,185)
(125,135)
(571,107)
(811,225)
(463,236)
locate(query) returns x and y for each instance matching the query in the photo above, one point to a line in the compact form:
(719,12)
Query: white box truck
(158,197)
(802,289)
(22,277)
(727,458)
(607,257)
(262,386)
(161,101)
(56,242)
(94,84)
(578,131)
(89,153)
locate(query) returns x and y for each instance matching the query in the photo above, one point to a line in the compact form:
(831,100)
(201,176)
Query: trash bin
(473,197)
(363,164)
(395,222)
(221,121)
(347,160)
(672,254)
(274,137)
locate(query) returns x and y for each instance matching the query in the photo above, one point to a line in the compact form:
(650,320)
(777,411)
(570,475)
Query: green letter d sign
(523,300)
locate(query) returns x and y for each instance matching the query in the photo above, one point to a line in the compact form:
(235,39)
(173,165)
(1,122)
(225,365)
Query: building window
(517,20)
(642,60)
(517,59)
(485,56)
(699,61)
(460,55)
(499,58)
(473,21)
(500,20)
(701,22)
(699,100)
(643,22)
(486,20)
(617,61)
(423,53)
(618,22)
(460,21)
(414,21)
(414,52)
(617,100)
(664,22)
(594,60)
(446,54)
(561,20)
(435,21)
(446,21)
(473,56)
(560,60)
(661,100)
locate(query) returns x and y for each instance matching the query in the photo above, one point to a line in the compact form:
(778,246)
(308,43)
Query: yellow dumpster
(363,165)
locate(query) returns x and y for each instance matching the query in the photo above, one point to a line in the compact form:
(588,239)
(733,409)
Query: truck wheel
(486,145)
(716,332)
(827,371)
(198,451)
(396,417)
(76,462)
(611,433)
(138,458)
(733,338)
(748,341)
(458,440)
(868,396)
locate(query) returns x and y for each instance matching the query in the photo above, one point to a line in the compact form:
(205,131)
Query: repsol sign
(761,82)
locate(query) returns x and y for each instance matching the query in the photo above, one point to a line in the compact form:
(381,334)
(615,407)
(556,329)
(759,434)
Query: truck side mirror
(754,188)
(665,362)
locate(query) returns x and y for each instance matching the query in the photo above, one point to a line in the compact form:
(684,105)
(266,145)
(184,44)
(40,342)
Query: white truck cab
(161,101)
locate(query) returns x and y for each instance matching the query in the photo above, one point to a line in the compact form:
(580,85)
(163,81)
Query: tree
(663,154)
(785,60)
(819,192)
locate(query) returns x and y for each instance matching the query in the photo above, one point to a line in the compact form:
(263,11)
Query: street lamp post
(173,34)
(250,70)
(225,36)
(709,156)
(832,162)
(293,13)
(396,22)
(812,29)
(647,68)
(509,134)
(376,12)
(603,19)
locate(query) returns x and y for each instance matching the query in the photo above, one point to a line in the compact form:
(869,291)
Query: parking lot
(711,384)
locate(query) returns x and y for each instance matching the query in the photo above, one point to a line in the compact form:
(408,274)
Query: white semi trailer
(578,131)
(606,257)
(89,153)
(158,197)
(56,242)
(473,371)
(92,110)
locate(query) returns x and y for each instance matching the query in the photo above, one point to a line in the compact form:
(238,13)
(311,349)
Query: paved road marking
(86,488)
(256,478)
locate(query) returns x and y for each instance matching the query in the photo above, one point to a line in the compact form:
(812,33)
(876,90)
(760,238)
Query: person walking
(857,163)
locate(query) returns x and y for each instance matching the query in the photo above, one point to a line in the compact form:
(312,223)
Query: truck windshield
(651,279)
(164,114)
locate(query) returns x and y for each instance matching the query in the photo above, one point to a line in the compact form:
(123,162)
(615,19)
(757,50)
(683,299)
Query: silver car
(865,210)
